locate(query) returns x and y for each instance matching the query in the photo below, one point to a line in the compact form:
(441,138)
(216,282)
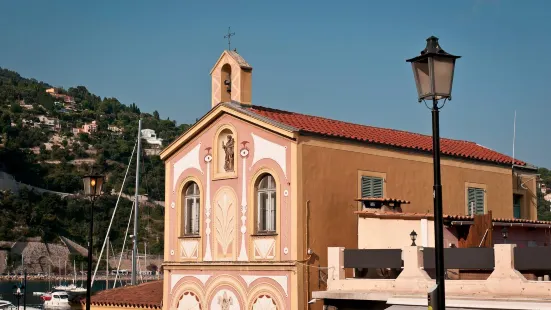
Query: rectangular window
(266,212)
(475,201)
(372,187)
(516,206)
(262,211)
(192,216)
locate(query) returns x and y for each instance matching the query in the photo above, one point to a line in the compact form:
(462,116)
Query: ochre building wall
(330,172)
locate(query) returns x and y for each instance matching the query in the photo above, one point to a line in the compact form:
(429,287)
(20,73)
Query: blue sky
(338,59)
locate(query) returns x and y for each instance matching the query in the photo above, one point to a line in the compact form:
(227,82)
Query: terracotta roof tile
(415,216)
(146,295)
(384,136)
(240,60)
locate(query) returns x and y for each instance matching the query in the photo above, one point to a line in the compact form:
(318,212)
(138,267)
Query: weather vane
(228,36)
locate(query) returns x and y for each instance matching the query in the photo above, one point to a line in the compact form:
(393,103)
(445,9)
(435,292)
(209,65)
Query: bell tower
(231,79)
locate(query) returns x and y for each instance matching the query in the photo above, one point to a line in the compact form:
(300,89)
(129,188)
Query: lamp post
(24,286)
(505,234)
(18,292)
(433,71)
(92,189)
(413,236)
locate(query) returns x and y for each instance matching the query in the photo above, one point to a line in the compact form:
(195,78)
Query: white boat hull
(58,301)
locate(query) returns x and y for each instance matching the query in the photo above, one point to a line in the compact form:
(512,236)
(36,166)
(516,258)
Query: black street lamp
(433,71)
(18,292)
(92,188)
(413,236)
(505,234)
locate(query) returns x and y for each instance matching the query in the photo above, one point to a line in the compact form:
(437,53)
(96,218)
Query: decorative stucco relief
(208,254)
(225,213)
(281,280)
(265,149)
(244,152)
(189,249)
(264,302)
(189,301)
(174,278)
(264,248)
(225,300)
(216,87)
(190,160)
(236,85)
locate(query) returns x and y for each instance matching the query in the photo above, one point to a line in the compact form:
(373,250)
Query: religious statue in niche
(228,149)
(225,301)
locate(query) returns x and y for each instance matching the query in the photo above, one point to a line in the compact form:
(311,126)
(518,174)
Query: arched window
(225,85)
(266,204)
(192,207)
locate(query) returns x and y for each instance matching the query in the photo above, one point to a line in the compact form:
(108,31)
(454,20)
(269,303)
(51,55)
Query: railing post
(413,264)
(505,264)
(335,264)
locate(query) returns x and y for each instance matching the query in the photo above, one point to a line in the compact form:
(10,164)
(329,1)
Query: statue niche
(226,148)
(229,147)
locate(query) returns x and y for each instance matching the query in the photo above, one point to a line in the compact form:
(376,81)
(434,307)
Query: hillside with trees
(51,137)
(544,206)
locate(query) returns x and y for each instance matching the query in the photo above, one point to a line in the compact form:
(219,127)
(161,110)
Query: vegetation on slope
(56,160)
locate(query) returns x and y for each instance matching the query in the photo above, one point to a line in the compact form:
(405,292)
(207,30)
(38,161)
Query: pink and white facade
(218,256)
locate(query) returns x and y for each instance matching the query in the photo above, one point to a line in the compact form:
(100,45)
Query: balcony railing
(502,262)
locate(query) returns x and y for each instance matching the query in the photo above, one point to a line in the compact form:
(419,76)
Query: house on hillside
(87,128)
(25,105)
(53,123)
(150,137)
(255,195)
(69,100)
(114,129)
(27,122)
(154,144)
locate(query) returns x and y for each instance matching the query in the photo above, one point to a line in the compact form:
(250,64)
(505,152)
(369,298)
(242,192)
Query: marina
(35,289)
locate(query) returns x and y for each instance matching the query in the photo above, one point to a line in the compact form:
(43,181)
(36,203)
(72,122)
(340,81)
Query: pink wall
(206,140)
(521,236)
(245,285)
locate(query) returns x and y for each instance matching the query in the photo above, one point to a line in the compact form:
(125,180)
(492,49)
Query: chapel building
(255,195)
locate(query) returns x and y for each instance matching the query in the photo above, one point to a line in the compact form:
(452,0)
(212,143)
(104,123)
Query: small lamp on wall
(505,234)
(413,236)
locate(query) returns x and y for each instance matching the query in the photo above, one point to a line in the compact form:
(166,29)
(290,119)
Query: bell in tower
(231,79)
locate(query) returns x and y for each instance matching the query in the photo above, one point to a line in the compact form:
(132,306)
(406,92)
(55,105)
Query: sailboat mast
(107,266)
(145,257)
(135,237)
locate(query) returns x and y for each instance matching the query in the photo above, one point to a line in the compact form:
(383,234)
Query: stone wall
(39,257)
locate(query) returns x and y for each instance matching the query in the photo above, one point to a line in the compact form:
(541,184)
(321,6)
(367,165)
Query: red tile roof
(417,216)
(384,136)
(146,295)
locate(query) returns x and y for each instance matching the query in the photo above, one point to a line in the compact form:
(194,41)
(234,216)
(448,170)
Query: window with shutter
(516,206)
(372,187)
(475,200)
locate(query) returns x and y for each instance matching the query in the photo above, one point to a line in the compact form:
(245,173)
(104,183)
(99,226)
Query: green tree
(45,100)
(16,108)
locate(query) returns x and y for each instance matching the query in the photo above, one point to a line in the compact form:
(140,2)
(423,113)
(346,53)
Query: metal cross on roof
(228,36)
